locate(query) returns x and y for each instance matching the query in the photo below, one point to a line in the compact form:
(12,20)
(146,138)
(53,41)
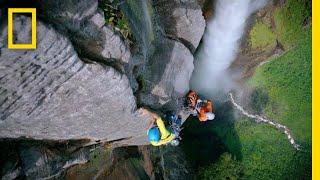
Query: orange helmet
(192,98)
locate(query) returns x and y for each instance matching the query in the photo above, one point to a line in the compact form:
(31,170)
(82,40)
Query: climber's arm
(209,106)
(166,135)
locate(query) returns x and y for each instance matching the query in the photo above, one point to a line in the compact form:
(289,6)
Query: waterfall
(138,13)
(260,119)
(220,45)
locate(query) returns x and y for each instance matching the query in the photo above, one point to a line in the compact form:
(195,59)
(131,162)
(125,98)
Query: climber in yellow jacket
(158,134)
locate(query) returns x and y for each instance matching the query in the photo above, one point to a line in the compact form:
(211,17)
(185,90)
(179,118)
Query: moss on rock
(262,36)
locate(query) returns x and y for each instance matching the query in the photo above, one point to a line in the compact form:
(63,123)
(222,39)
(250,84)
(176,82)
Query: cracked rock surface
(182,21)
(49,93)
(85,26)
(82,80)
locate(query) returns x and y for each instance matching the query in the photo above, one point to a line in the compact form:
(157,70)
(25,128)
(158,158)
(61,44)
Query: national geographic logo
(33,44)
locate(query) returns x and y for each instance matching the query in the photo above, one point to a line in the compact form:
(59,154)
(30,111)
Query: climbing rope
(259,119)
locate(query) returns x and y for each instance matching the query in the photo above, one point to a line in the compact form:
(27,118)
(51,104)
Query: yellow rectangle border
(33,44)
(315,90)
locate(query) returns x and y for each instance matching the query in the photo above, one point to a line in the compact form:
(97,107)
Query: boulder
(45,162)
(37,163)
(49,93)
(167,73)
(85,26)
(114,47)
(181,21)
(170,33)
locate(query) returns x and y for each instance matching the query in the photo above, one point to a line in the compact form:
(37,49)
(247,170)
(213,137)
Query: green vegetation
(266,152)
(283,94)
(115,18)
(290,21)
(262,36)
(287,80)
(259,100)
(142,83)
(226,168)
(286,25)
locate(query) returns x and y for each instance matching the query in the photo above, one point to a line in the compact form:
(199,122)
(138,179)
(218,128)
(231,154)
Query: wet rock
(49,93)
(181,21)
(170,32)
(140,18)
(207,7)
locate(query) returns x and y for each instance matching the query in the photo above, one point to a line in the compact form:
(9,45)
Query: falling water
(138,13)
(220,45)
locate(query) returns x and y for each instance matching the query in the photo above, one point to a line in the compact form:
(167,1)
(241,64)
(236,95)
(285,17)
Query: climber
(201,108)
(158,134)
(174,122)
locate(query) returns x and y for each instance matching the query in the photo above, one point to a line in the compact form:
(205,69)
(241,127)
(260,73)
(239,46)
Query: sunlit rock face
(85,26)
(167,73)
(81,81)
(182,21)
(49,93)
(84,81)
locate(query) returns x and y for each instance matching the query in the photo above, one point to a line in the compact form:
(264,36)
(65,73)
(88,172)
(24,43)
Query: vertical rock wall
(80,81)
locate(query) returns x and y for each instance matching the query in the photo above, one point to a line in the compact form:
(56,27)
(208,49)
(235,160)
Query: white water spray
(259,119)
(220,46)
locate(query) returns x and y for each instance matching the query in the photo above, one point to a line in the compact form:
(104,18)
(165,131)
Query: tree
(225,168)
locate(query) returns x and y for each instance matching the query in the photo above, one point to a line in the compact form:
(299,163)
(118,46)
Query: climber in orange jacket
(201,108)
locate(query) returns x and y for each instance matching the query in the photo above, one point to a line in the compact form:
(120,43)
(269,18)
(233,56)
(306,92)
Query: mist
(220,46)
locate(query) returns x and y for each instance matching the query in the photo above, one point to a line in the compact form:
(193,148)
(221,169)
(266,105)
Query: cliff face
(81,81)
(167,32)
(49,93)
